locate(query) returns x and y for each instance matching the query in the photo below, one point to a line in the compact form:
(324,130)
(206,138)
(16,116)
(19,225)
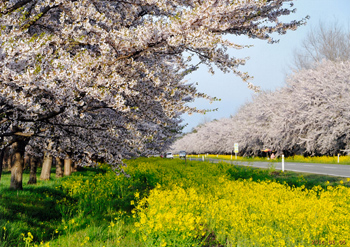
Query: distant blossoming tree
(105,77)
(316,113)
(310,116)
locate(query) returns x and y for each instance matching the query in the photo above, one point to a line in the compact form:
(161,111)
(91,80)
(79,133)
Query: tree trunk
(17,166)
(8,157)
(46,169)
(47,164)
(26,162)
(5,159)
(67,167)
(74,167)
(59,167)
(33,166)
(2,152)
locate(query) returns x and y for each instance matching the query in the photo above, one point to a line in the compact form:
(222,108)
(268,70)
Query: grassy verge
(94,207)
(58,213)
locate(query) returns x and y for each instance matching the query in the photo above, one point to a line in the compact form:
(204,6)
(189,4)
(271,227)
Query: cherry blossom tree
(107,77)
(309,116)
(246,127)
(317,118)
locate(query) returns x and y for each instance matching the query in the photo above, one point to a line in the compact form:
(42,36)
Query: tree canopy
(309,116)
(107,77)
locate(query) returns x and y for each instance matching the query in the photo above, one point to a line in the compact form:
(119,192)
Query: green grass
(93,206)
(31,210)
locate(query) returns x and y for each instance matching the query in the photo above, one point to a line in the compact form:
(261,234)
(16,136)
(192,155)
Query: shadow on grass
(34,209)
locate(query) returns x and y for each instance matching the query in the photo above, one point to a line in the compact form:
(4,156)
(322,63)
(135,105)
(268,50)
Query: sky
(269,64)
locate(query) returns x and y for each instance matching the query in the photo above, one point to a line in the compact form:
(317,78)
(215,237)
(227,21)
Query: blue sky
(268,63)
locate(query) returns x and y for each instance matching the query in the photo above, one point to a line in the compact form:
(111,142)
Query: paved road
(317,168)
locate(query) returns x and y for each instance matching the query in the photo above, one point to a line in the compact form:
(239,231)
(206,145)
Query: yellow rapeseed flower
(246,213)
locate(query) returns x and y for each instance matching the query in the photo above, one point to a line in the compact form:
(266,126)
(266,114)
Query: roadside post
(236,150)
(282,163)
(338,158)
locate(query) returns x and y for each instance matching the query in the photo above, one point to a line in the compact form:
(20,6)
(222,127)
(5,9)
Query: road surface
(317,168)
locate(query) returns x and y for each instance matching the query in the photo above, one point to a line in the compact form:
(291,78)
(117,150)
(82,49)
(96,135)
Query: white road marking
(308,165)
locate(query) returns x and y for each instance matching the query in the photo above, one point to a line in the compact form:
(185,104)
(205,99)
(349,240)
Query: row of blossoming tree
(310,115)
(104,79)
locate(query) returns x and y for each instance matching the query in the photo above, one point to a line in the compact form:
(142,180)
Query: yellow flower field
(165,202)
(244,213)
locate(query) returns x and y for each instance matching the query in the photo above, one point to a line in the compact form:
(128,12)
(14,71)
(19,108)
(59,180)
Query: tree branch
(16,6)
(44,118)
(39,16)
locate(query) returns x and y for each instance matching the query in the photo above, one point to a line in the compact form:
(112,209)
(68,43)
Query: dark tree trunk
(26,164)
(2,152)
(8,157)
(59,167)
(1,156)
(74,167)
(17,166)
(5,158)
(33,166)
(67,167)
